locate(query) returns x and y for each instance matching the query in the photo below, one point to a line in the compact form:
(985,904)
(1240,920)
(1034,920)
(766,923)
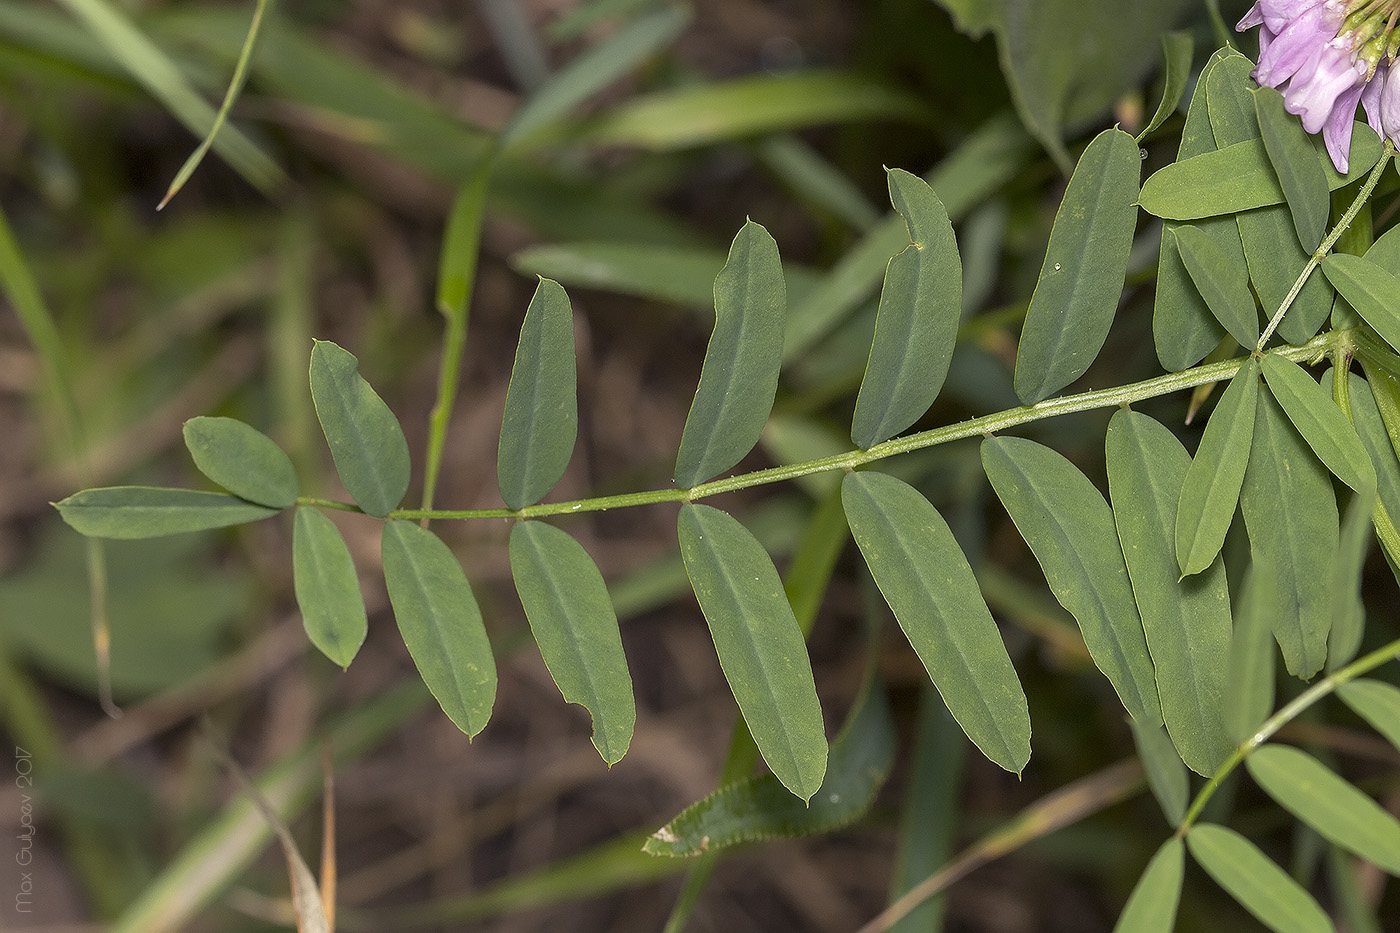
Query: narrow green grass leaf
(1186,621)
(1069,528)
(540,423)
(1081,281)
(1151,908)
(760,808)
(366,442)
(1259,885)
(759,643)
(740,374)
(1183,329)
(923,575)
(1376,702)
(1249,689)
(1314,414)
(575,626)
(1369,288)
(440,623)
(1295,163)
(596,68)
(1240,178)
(161,77)
(1222,282)
(1166,772)
(917,324)
(710,112)
(1213,480)
(1177,48)
(243,460)
(1315,794)
(235,87)
(327,587)
(1290,512)
(151,512)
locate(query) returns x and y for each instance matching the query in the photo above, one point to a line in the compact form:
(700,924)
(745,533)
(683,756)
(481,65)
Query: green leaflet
(1369,288)
(1314,414)
(759,643)
(917,323)
(572,619)
(1177,48)
(1273,253)
(327,587)
(1070,529)
(1166,774)
(1213,480)
(1081,281)
(1151,908)
(1186,621)
(440,623)
(923,575)
(1348,611)
(1370,426)
(1295,163)
(1249,688)
(761,808)
(540,423)
(1376,702)
(365,439)
(1260,886)
(1222,282)
(1239,178)
(1315,794)
(740,373)
(150,512)
(243,460)
(1183,329)
(1290,512)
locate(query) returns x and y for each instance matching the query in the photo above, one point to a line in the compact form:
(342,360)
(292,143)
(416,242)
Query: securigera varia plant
(1256,272)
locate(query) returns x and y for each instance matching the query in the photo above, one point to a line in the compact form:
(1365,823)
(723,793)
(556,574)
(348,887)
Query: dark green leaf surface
(243,460)
(1295,164)
(1222,282)
(1183,329)
(1369,288)
(1290,512)
(1213,480)
(1348,611)
(760,807)
(1166,773)
(1239,178)
(917,323)
(150,512)
(440,623)
(1081,281)
(1370,427)
(1314,414)
(1376,702)
(1249,689)
(1186,621)
(365,439)
(1177,49)
(1316,795)
(327,587)
(575,626)
(1070,529)
(540,422)
(923,575)
(740,374)
(759,643)
(1152,906)
(1257,883)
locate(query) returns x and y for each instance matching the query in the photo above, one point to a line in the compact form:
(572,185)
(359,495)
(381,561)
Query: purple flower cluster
(1331,55)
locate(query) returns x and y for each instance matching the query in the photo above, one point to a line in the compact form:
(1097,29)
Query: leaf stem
(1321,252)
(1278,720)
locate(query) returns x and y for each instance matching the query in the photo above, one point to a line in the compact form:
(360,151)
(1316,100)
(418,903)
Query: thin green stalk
(1362,197)
(1278,720)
